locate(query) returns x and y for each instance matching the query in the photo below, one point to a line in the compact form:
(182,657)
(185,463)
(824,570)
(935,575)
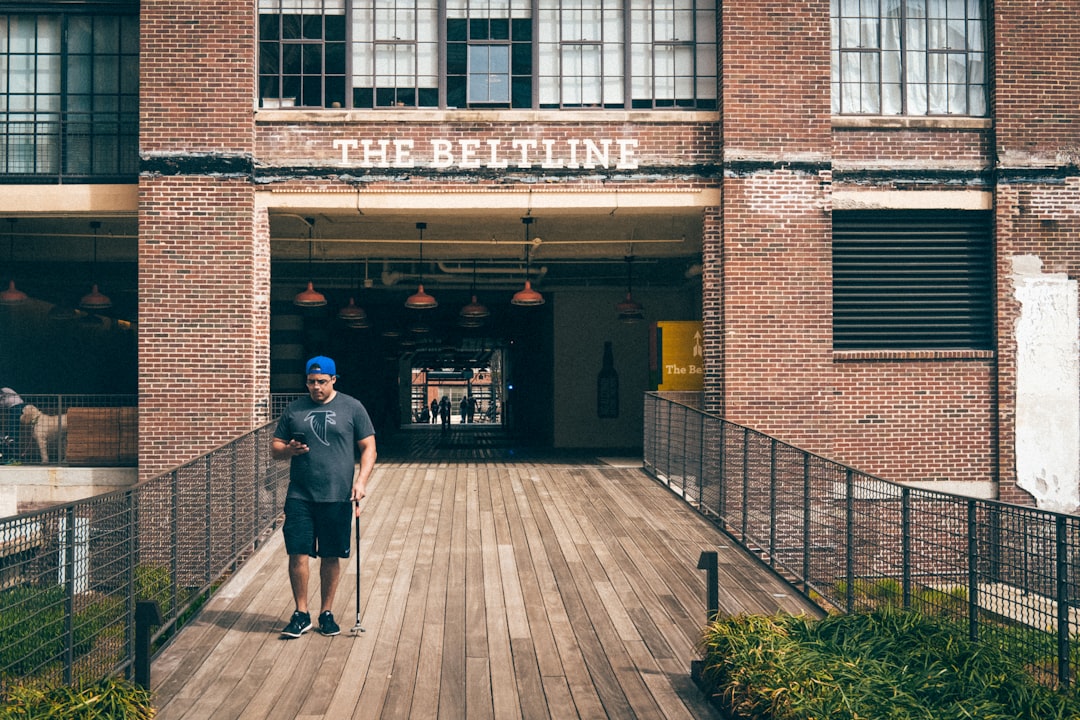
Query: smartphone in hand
(300,438)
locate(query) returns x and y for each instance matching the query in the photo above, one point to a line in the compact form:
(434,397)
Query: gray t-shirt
(325,473)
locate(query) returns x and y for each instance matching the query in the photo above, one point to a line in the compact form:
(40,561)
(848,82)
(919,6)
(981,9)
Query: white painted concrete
(1047,386)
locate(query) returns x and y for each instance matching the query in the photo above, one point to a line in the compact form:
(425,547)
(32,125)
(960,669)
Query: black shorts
(317,529)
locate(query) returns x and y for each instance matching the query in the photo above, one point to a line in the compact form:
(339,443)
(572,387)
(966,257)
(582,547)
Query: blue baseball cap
(321,365)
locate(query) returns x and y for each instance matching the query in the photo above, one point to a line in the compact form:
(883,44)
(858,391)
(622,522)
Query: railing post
(973,571)
(69,593)
(209,510)
(745,481)
(1063,604)
(849,539)
(721,479)
(174,541)
(806,522)
(708,562)
(772,502)
(147,614)
(905,544)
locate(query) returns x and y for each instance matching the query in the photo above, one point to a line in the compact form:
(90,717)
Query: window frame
(887,67)
(435,80)
(89,132)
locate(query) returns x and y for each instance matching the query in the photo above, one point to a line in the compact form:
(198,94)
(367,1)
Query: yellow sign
(675,355)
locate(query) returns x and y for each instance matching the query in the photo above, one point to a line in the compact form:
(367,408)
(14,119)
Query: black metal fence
(852,541)
(86,430)
(72,575)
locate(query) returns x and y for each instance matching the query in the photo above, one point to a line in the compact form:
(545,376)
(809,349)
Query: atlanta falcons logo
(318,420)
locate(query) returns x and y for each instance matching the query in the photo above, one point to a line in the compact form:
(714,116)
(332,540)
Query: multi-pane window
(69,94)
(493,54)
(302,52)
(908,57)
(907,280)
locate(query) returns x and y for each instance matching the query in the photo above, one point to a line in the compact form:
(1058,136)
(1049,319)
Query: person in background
(434,410)
(319,434)
(11,407)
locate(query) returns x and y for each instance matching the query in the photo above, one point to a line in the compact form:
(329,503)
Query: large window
(907,280)
(908,57)
(69,95)
(488,54)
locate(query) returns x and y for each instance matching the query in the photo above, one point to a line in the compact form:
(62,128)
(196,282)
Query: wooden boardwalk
(490,588)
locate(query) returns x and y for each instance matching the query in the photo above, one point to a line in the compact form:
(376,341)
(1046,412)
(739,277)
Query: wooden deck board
(488,590)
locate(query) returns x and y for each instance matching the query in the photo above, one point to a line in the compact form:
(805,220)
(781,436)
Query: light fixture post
(310,297)
(420,300)
(95,300)
(527,297)
(12,295)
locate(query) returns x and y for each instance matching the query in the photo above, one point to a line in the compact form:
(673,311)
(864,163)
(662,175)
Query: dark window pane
(335,27)
(290,27)
(521,59)
(335,58)
(269,26)
(499,29)
(455,91)
(313,59)
(457,30)
(335,91)
(478,30)
(268,58)
(522,92)
(313,92)
(363,97)
(313,29)
(290,59)
(429,97)
(457,56)
(522,29)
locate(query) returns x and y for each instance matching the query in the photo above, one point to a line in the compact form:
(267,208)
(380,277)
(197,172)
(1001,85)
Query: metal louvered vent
(912,280)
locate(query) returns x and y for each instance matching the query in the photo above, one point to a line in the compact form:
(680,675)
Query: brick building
(873,209)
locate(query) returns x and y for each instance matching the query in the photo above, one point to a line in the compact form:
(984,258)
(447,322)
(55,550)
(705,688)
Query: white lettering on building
(547,153)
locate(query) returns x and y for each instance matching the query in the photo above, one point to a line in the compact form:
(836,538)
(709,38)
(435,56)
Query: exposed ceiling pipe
(390,278)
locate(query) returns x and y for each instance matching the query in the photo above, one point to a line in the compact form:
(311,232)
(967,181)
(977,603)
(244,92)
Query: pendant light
(95,300)
(629,310)
(473,314)
(352,314)
(420,300)
(527,297)
(12,296)
(310,297)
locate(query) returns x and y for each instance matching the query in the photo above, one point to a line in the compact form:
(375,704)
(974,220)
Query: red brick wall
(197,74)
(204,267)
(1037,82)
(203,317)
(1037,124)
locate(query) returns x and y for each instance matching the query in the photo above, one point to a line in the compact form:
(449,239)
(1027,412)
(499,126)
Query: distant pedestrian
(434,410)
(444,412)
(463,408)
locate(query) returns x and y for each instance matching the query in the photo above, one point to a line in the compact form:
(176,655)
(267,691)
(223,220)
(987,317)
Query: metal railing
(73,575)
(852,541)
(86,430)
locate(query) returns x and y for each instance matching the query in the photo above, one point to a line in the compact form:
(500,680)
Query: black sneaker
(327,626)
(299,624)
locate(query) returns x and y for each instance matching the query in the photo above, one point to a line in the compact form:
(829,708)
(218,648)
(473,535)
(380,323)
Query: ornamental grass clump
(889,664)
(110,699)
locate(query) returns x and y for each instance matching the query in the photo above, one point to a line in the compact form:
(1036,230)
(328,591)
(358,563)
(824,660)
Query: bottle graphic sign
(607,386)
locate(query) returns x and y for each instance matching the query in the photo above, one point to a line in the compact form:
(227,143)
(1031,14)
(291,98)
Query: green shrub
(153,582)
(889,664)
(112,698)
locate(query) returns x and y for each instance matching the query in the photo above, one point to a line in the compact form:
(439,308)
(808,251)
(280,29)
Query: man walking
(319,434)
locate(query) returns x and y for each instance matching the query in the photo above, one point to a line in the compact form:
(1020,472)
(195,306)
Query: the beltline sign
(493,153)
(675,358)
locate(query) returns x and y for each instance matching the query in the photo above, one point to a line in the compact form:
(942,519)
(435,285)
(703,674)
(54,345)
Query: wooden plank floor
(490,588)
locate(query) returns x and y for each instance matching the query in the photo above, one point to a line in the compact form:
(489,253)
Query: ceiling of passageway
(563,248)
